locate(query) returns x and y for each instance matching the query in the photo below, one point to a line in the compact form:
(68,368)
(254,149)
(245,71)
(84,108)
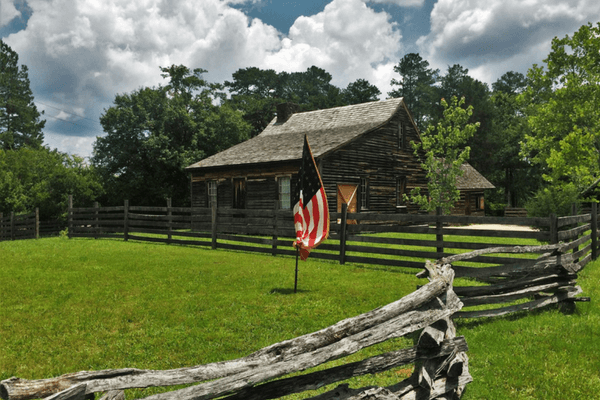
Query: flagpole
(296,278)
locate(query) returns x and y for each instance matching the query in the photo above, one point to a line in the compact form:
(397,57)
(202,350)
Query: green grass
(71,305)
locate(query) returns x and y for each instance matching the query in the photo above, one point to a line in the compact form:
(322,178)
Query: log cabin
(363,153)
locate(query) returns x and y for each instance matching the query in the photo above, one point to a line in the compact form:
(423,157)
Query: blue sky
(81,53)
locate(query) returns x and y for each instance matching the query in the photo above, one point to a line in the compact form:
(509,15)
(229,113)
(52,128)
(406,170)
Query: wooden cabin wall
(199,197)
(376,156)
(261,193)
(467,204)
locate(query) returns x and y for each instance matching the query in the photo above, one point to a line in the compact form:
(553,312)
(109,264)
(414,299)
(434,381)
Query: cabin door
(347,194)
(239,193)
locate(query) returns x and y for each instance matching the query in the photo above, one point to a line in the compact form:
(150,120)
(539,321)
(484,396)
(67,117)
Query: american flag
(311,213)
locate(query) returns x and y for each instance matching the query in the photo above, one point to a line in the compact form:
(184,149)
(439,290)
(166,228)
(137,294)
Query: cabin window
(212,193)
(364,194)
(400,190)
(285,192)
(401,136)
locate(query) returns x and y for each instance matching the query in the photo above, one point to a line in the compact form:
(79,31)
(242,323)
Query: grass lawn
(71,305)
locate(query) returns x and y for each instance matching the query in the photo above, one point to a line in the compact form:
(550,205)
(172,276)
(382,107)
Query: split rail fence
(441,364)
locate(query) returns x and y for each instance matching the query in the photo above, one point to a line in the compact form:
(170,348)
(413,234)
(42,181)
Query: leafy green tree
(44,178)
(562,103)
(416,86)
(360,91)
(20,123)
(154,133)
(442,153)
(257,92)
(515,178)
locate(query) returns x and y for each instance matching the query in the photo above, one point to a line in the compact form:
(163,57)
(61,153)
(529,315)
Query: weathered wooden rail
(441,363)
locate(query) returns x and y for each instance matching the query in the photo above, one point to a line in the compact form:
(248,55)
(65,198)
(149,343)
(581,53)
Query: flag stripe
(311,220)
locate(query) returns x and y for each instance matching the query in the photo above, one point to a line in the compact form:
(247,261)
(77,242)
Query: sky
(82,53)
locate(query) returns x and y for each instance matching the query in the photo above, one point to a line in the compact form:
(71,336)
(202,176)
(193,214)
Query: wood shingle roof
(472,179)
(327,130)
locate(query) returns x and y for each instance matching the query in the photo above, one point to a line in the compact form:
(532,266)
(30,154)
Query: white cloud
(401,3)
(347,39)
(491,37)
(81,53)
(8,12)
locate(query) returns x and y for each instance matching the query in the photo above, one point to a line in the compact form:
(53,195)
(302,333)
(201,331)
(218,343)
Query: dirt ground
(499,227)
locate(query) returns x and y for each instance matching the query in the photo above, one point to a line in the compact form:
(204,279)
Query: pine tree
(20,123)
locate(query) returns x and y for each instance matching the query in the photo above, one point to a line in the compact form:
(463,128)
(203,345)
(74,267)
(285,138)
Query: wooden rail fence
(28,226)
(20,226)
(398,240)
(441,369)
(395,240)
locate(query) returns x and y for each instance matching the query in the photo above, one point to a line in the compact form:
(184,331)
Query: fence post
(553,229)
(1,226)
(96,227)
(70,216)
(275,226)
(594,231)
(214,225)
(12,225)
(574,212)
(170,220)
(126,220)
(37,223)
(439,235)
(343,233)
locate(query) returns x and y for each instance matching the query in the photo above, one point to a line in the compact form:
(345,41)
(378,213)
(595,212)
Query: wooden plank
(148,209)
(424,229)
(101,235)
(147,238)
(100,222)
(508,286)
(394,252)
(574,219)
(515,295)
(532,305)
(246,239)
(573,233)
(373,365)
(101,209)
(491,233)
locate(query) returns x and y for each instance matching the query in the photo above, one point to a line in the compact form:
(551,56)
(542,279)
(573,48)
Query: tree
(257,92)
(360,91)
(514,176)
(416,86)
(442,148)
(44,178)
(562,103)
(20,123)
(154,133)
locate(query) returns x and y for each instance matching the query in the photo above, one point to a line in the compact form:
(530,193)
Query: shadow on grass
(286,291)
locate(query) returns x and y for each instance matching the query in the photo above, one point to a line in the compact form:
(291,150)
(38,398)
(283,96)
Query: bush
(553,200)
